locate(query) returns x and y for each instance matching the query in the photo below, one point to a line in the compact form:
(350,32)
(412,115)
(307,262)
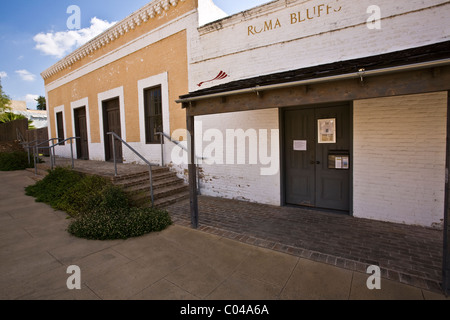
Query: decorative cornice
(136,19)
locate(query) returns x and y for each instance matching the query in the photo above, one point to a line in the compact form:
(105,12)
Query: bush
(17,160)
(100,210)
(54,186)
(119,223)
(89,193)
(111,198)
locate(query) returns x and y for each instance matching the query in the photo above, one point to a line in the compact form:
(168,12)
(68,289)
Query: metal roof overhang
(361,73)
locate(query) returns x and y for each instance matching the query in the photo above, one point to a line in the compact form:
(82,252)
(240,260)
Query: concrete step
(162,192)
(164,202)
(144,179)
(156,171)
(144,185)
(170,193)
(131,182)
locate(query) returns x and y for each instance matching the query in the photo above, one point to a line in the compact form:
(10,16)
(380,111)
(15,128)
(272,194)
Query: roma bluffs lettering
(302,16)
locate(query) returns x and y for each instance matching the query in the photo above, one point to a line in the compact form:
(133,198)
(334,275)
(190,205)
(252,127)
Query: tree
(42,105)
(5,100)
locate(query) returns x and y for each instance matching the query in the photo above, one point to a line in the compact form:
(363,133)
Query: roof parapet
(136,19)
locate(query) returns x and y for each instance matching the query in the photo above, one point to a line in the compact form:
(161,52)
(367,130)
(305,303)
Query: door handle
(318,162)
(314,162)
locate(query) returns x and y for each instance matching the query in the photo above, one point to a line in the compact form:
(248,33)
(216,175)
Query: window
(153,114)
(60,126)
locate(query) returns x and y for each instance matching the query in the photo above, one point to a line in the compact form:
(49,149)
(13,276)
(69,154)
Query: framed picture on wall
(327,130)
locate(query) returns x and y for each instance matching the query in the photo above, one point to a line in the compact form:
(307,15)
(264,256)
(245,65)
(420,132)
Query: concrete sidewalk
(176,264)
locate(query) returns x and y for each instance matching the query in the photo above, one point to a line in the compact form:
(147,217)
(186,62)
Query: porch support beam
(446,251)
(192,170)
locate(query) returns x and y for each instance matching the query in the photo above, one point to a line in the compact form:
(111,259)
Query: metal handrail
(35,145)
(19,135)
(26,145)
(23,141)
(60,142)
(38,146)
(178,143)
(53,157)
(150,165)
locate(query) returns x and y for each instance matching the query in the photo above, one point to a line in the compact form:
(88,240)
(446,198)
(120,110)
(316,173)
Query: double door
(317,143)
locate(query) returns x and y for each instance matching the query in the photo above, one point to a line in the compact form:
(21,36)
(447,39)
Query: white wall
(229,46)
(248,175)
(399,158)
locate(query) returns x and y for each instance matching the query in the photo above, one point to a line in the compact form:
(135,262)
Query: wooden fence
(39,135)
(8,131)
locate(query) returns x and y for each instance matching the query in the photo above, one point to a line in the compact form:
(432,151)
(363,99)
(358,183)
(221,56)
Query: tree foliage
(42,105)
(5,100)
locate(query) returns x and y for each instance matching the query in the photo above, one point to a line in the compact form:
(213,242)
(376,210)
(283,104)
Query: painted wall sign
(299,17)
(220,76)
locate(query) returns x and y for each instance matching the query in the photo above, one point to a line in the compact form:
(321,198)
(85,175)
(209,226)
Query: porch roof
(433,52)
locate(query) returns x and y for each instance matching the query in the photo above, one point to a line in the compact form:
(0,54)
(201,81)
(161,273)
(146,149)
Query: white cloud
(59,44)
(3,74)
(31,98)
(26,75)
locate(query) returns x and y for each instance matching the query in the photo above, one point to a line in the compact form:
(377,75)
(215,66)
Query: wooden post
(446,251)
(192,169)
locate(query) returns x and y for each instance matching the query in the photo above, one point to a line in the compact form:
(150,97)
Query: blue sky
(30,30)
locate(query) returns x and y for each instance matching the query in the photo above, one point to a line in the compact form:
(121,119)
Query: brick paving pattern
(407,254)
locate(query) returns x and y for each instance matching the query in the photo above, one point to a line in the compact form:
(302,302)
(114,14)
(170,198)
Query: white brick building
(278,71)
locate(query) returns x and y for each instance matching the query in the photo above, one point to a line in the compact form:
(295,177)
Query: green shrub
(100,210)
(17,160)
(90,194)
(111,198)
(119,223)
(54,186)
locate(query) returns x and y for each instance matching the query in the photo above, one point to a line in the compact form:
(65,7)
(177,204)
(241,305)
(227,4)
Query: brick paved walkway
(408,254)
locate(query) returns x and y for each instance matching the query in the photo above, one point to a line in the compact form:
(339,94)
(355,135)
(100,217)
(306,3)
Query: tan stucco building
(125,80)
